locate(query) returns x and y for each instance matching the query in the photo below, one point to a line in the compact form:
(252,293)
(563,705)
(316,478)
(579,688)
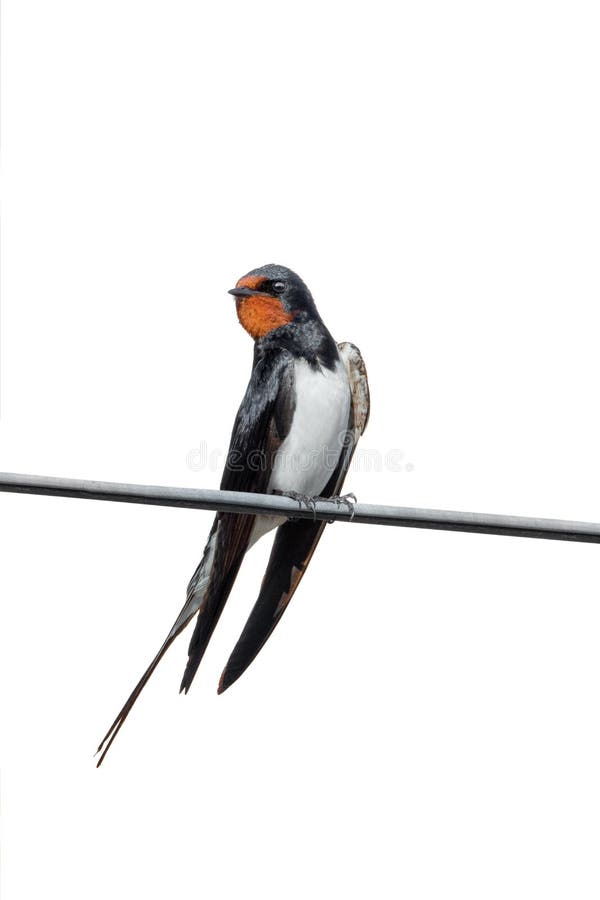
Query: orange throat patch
(260,314)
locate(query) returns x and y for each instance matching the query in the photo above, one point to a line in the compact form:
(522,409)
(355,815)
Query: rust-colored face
(259,313)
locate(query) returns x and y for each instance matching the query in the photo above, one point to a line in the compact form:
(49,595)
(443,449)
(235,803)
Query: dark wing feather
(295,542)
(261,425)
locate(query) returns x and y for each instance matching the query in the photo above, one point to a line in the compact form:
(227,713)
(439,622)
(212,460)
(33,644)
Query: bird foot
(347,500)
(303,500)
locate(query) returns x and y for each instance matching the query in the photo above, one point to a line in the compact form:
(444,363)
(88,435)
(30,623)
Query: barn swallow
(305,407)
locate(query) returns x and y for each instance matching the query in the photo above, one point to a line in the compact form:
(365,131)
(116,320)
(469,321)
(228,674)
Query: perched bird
(305,407)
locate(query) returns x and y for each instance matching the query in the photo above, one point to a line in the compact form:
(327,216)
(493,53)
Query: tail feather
(229,554)
(114,729)
(195,595)
(292,551)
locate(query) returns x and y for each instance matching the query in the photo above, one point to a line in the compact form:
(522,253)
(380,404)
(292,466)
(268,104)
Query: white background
(425,721)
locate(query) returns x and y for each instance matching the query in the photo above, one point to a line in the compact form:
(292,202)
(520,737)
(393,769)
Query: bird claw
(347,500)
(303,500)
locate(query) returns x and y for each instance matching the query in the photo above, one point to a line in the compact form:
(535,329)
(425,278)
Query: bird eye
(278,287)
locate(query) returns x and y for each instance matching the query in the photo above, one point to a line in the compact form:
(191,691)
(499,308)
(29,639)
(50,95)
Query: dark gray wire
(361,513)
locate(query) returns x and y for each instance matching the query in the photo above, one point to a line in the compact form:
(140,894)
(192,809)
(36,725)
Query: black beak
(242,292)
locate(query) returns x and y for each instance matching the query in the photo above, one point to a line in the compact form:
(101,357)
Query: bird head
(270,297)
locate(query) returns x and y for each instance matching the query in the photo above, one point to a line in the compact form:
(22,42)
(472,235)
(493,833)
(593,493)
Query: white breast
(309,454)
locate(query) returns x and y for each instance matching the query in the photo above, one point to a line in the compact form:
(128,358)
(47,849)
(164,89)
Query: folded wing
(295,541)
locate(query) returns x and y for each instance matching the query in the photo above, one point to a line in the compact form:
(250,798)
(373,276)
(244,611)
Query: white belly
(310,453)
